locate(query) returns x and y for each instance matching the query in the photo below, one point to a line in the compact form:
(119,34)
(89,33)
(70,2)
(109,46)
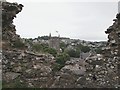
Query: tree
(18,44)
(98,51)
(73,53)
(62,58)
(51,51)
(85,49)
(63,46)
(44,48)
(60,61)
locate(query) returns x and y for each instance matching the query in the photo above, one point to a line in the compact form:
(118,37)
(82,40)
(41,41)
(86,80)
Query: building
(54,42)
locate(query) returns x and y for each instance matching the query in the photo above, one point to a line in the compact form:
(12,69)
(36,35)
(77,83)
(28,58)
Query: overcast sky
(73,19)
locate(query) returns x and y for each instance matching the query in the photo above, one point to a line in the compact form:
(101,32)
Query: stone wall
(9,11)
(21,68)
(104,71)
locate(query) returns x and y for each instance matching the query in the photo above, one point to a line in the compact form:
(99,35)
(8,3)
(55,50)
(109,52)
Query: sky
(76,19)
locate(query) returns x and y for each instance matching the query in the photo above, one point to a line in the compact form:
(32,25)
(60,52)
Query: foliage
(57,67)
(18,44)
(62,58)
(98,51)
(63,46)
(83,48)
(44,37)
(60,61)
(73,53)
(44,48)
(51,51)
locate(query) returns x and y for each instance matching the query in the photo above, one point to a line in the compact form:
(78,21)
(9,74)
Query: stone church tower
(54,42)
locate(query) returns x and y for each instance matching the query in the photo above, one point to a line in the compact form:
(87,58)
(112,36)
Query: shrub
(37,47)
(18,44)
(98,51)
(44,48)
(85,49)
(62,58)
(57,67)
(51,51)
(60,61)
(73,53)
(63,46)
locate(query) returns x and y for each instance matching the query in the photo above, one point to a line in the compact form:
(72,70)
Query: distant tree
(44,48)
(51,51)
(45,37)
(37,47)
(63,46)
(73,53)
(62,58)
(98,51)
(18,44)
(60,61)
(85,49)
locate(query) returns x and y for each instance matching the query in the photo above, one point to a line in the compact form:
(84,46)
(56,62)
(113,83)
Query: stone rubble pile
(69,75)
(31,69)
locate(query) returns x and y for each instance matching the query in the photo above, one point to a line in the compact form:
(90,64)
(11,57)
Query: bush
(60,61)
(37,47)
(62,58)
(63,46)
(18,44)
(51,51)
(73,53)
(44,48)
(83,48)
(57,67)
(44,37)
(98,51)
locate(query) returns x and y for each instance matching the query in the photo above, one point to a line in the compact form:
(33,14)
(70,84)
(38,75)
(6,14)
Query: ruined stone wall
(104,72)
(20,67)
(9,11)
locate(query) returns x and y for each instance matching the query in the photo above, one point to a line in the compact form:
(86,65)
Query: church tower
(54,42)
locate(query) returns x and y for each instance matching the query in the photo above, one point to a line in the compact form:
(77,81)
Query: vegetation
(83,48)
(44,48)
(73,53)
(98,51)
(63,46)
(57,67)
(44,37)
(62,58)
(18,44)
(51,51)
(60,61)
(39,47)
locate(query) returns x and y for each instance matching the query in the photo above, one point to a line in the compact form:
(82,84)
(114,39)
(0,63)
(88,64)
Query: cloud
(83,20)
